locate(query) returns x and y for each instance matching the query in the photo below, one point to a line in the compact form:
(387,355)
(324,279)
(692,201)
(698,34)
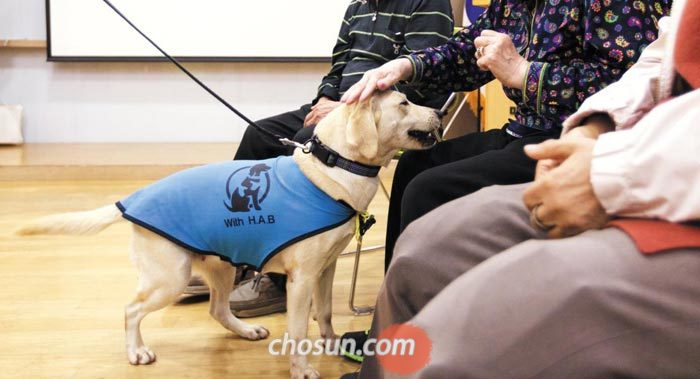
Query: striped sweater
(374,32)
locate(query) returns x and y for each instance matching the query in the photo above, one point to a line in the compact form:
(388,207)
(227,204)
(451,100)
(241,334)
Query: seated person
(510,298)
(570,50)
(372,32)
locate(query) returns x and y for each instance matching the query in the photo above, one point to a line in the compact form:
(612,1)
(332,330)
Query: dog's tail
(75,223)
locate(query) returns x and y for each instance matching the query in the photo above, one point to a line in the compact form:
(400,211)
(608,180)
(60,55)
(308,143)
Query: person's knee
(420,197)
(489,211)
(256,145)
(410,164)
(411,245)
(404,268)
(250,134)
(551,267)
(410,158)
(304,134)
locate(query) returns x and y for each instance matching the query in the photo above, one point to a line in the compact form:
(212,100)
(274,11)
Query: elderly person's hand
(323,107)
(562,201)
(593,127)
(378,79)
(495,52)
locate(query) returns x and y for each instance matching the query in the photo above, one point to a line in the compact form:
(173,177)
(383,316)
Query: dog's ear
(361,130)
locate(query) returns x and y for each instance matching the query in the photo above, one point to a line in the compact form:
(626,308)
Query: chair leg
(362,310)
(384,190)
(363,250)
(357,310)
(373,247)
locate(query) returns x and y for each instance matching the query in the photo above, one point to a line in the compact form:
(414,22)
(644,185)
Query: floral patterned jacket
(575,48)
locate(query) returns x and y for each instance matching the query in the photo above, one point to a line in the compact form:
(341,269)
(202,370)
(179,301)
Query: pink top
(649,168)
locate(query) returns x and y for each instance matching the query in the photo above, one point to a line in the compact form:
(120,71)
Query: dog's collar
(332,159)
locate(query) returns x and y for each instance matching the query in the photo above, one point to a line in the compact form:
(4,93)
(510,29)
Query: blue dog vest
(243,211)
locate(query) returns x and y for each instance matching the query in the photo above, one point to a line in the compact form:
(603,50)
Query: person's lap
(256,145)
(590,306)
(451,180)
(497,300)
(427,179)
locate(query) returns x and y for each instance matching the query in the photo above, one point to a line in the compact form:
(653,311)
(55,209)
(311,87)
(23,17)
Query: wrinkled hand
(564,195)
(323,107)
(594,127)
(378,79)
(501,58)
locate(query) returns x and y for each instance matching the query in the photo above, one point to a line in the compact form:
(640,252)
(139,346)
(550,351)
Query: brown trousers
(499,300)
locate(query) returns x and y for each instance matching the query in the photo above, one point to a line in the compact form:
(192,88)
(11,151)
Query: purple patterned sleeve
(452,66)
(532,87)
(614,35)
(574,49)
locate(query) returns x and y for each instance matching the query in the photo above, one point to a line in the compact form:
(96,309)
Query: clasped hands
(561,200)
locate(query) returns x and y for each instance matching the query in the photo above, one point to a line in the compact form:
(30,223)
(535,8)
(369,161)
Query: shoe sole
(196,290)
(351,357)
(267,309)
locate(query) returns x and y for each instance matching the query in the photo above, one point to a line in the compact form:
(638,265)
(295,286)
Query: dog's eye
(404,103)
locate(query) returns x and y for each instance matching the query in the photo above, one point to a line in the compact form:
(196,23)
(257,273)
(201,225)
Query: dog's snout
(435,118)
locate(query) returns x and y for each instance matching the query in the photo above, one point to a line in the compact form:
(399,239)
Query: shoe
(359,339)
(257,297)
(197,286)
(350,375)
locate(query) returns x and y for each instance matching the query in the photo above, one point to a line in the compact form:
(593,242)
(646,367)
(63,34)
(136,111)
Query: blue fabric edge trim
(225,258)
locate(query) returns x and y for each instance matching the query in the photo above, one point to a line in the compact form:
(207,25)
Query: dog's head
(376,128)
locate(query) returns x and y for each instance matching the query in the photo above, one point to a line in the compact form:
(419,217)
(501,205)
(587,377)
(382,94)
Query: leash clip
(305,148)
(363,222)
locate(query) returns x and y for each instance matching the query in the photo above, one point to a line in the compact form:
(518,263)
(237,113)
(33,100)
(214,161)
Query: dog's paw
(254,333)
(141,356)
(308,373)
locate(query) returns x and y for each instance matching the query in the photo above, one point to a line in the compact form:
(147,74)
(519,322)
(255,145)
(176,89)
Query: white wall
(138,102)
(22,19)
(196,28)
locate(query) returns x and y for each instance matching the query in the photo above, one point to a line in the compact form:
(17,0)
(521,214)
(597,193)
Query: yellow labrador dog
(370,133)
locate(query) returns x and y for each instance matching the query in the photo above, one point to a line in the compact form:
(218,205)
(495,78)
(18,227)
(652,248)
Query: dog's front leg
(300,287)
(323,301)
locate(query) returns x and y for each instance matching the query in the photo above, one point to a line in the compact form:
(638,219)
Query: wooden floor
(62,298)
(106,161)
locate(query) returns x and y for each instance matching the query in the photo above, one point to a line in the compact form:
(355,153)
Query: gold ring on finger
(535,220)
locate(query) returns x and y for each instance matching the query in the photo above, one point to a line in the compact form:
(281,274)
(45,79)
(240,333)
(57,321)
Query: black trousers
(426,179)
(256,145)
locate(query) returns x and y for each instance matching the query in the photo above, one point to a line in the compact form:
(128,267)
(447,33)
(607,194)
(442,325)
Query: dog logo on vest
(251,188)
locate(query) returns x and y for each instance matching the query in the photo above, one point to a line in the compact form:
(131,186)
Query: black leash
(327,155)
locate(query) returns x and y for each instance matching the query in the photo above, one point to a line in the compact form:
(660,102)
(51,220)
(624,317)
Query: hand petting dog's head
(376,128)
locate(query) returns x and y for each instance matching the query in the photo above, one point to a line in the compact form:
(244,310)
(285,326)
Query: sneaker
(257,297)
(197,286)
(359,339)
